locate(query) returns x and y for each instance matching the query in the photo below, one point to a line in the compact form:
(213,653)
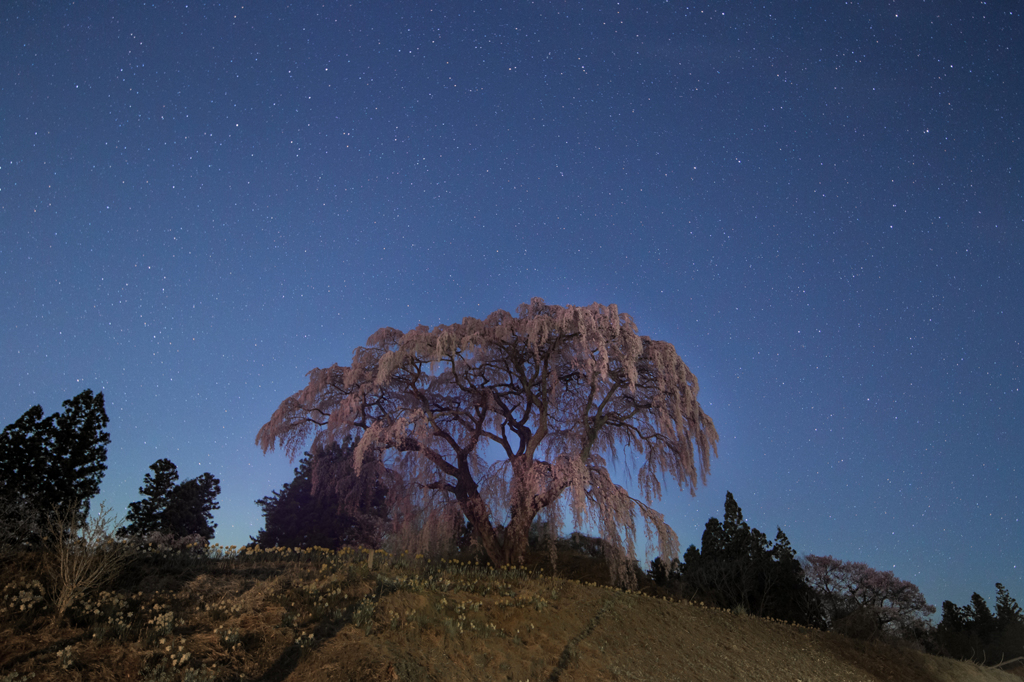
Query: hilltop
(353,615)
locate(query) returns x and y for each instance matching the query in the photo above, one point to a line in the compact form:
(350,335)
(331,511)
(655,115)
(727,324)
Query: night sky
(819,204)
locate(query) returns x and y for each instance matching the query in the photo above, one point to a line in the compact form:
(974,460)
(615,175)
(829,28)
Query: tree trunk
(475,510)
(517,536)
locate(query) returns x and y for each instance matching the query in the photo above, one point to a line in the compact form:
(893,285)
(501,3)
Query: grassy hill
(353,615)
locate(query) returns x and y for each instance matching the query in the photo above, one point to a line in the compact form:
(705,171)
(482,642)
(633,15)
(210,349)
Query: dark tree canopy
(146,515)
(192,505)
(865,602)
(179,509)
(333,510)
(53,463)
(737,566)
(559,396)
(974,632)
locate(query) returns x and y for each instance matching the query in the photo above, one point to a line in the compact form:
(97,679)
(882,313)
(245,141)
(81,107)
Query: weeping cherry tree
(563,396)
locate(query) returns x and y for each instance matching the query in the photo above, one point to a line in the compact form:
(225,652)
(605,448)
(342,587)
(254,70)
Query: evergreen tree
(191,507)
(737,566)
(666,574)
(973,632)
(145,516)
(179,509)
(49,464)
(982,620)
(1008,612)
(954,617)
(345,508)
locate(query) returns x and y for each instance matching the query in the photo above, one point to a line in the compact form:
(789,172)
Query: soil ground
(595,633)
(345,616)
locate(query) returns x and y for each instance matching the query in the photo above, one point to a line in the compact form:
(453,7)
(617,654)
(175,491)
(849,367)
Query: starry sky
(819,204)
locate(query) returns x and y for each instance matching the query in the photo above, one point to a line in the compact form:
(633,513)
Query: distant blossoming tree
(561,394)
(863,601)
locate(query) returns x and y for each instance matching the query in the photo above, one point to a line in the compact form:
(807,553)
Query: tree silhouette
(560,395)
(973,632)
(179,509)
(737,566)
(192,505)
(1008,612)
(50,464)
(866,602)
(347,509)
(146,515)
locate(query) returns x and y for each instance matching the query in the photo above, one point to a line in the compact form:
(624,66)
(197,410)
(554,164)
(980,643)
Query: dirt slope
(594,633)
(303,616)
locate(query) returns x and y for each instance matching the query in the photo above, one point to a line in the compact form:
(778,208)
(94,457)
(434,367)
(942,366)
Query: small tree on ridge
(180,509)
(559,393)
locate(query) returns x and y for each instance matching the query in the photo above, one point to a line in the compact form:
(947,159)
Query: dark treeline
(50,468)
(974,632)
(737,567)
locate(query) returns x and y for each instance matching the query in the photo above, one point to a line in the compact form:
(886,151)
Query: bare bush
(82,554)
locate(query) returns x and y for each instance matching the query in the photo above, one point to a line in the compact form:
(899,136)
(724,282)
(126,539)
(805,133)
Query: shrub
(82,554)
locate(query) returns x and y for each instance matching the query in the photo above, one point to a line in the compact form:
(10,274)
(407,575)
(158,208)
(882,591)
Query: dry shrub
(82,554)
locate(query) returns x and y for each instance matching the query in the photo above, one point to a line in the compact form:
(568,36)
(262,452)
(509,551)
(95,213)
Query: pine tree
(180,509)
(972,631)
(1008,612)
(192,505)
(738,567)
(146,515)
(983,622)
(51,464)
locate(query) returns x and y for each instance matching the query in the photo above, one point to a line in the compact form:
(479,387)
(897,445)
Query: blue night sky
(819,204)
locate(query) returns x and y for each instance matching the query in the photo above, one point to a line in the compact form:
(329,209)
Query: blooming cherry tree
(562,395)
(849,588)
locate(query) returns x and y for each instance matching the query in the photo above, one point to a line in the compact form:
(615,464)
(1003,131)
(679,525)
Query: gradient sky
(819,204)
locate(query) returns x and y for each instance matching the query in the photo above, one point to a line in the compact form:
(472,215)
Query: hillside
(347,616)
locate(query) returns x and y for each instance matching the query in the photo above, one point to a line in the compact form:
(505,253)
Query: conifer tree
(738,567)
(180,509)
(972,631)
(1008,612)
(191,507)
(50,464)
(146,515)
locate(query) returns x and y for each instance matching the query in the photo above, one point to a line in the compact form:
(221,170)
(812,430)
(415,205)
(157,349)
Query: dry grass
(319,615)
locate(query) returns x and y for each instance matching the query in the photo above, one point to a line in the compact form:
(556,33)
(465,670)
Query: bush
(82,554)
